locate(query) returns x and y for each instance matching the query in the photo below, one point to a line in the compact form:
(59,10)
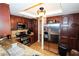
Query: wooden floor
(51,46)
(36,46)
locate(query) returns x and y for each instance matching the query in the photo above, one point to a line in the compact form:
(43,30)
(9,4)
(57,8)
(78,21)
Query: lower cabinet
(31,38)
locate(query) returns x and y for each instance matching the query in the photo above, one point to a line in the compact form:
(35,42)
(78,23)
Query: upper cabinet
(15,20)
(4,19)
(54,19)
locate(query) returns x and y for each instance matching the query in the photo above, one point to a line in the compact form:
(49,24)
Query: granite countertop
(3,52)
(19,49)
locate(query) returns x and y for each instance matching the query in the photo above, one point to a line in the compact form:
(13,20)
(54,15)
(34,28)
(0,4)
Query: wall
(69,34)
(4,20)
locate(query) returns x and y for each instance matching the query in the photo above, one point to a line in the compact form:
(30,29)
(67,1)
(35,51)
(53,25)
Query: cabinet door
(35,29)
(64,30)
(18,19)
(76,20)
(73,31)
(14,21)
(29,24)
(64,40)
(72,42)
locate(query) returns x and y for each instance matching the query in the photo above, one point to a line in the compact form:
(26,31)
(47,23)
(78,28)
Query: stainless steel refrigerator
(52,32)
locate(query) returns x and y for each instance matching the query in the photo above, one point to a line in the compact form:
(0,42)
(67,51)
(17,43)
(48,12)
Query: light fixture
(41,11)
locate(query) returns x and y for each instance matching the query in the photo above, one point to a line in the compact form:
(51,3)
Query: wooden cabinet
(33,25)
(69,30)
(13,22)
(17,19)
(35,28)
(64,30)
(5,28)
(30,24)
(31,38)
(54,19)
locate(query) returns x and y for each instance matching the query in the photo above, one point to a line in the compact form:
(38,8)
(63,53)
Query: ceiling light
(41,12)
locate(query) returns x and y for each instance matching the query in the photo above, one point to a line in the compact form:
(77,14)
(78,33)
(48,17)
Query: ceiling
(52,9)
